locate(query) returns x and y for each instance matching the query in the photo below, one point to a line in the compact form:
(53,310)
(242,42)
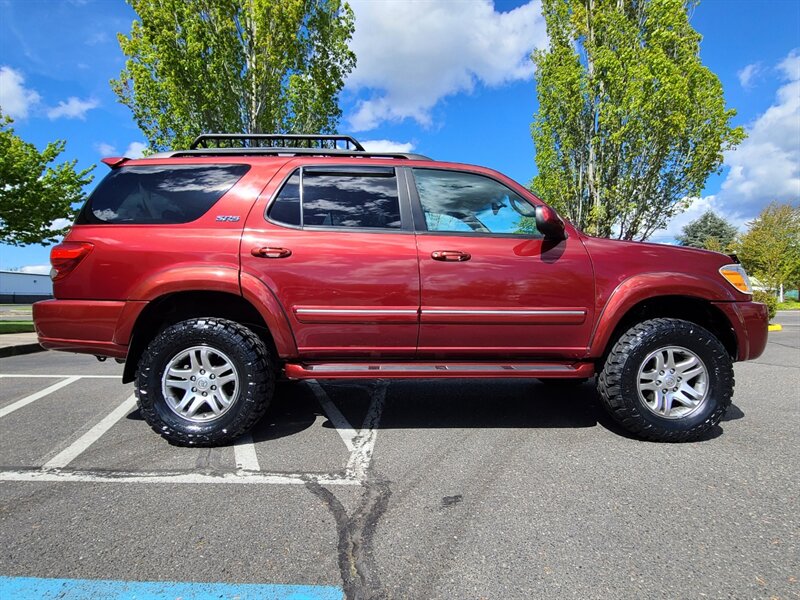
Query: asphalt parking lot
(460,489)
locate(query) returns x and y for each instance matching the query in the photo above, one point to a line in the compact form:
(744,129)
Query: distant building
(24,288)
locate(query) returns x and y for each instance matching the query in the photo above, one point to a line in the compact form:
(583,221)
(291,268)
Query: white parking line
(244,452)
(69,454)
(88,476)
(39,376)
(340,423)
(33,397)
(361,456)
(360,443)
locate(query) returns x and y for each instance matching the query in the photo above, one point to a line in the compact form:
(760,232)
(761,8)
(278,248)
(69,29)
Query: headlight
(737,277)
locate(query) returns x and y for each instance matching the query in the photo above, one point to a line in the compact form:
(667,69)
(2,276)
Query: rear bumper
(749,321)
(97,327)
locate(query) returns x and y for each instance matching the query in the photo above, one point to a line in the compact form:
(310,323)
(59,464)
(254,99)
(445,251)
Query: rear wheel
(204,382)
(667,380)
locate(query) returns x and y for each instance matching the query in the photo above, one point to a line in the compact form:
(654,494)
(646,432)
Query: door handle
(450,255)
(270,252)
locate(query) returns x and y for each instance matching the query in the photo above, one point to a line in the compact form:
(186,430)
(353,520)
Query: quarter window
(454,201)
(161,194)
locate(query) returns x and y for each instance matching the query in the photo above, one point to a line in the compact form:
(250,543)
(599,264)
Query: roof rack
(280,144)
(276,140)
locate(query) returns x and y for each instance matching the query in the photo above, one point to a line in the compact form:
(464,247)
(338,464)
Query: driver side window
(454,201)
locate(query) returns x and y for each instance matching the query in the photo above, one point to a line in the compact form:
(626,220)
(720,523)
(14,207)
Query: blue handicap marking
(24,588)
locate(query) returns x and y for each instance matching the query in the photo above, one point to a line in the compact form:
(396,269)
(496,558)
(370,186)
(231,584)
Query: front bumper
(749,321)
(100,327)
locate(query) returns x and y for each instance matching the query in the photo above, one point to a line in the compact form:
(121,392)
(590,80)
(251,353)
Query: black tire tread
(627,413)
(261,381)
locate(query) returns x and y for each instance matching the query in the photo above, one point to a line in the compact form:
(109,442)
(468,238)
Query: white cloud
(15,99)
(748,74)
(387,146)
(413,54)
(36,269)
(105,149)
(697,208)
(73,108)
(765,167)
(135,150)
(60,224)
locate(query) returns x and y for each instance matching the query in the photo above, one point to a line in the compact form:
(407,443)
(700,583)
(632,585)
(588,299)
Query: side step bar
(437,370)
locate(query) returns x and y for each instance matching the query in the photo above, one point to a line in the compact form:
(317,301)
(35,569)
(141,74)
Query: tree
(33,193)
(770,249)
(247,66)
(630,123)
(708,231)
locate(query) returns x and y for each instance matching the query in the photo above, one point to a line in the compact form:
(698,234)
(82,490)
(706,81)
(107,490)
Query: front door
(334,246)
(492,287)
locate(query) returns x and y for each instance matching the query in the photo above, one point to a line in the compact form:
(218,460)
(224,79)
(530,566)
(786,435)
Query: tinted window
(470,203)
(342,199)
(286,207)
(159,194)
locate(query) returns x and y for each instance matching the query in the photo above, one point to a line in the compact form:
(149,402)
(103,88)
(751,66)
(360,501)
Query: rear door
(491,285)
(335,244)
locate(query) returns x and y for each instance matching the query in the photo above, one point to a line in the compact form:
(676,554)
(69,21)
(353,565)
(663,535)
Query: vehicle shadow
(445,404)
(463,404)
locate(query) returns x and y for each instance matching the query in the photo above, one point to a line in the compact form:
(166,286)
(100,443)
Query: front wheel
(204,382)
(667,380)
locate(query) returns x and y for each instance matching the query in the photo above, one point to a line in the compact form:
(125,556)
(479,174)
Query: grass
(16,326)
(789,305)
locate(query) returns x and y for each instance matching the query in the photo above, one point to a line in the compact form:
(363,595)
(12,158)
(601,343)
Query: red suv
(212,271)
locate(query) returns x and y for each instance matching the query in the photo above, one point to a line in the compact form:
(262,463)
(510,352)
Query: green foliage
(16,326)
(630,122)
(708,231)
(247,66)
(770,250)
(769,299)
(34,192)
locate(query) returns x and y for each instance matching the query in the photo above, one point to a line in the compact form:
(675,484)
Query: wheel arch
(171,308)
(692,308)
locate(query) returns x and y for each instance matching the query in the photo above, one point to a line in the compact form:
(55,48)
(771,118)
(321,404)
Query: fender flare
(257,293)
(210,278)
(639,288)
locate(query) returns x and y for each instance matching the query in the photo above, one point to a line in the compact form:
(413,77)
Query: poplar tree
(630,123)
(234,66)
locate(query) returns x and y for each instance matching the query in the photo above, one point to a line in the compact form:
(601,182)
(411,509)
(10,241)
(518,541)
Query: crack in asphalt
(355,534)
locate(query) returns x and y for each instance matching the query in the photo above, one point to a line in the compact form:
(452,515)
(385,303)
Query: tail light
(66,256)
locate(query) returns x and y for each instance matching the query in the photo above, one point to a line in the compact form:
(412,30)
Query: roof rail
(276,140)
(286,152)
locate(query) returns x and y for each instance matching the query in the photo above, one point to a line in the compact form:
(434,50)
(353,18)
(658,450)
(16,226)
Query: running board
(437,370)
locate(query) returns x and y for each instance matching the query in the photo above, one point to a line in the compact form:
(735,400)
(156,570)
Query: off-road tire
(618,381)
(251,359)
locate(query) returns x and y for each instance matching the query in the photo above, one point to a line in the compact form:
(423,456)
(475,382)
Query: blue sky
(450,79)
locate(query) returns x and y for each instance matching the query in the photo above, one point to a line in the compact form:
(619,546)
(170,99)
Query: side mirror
(549,223)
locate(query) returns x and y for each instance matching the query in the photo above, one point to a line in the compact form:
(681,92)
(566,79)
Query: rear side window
(366,198)
(159,194)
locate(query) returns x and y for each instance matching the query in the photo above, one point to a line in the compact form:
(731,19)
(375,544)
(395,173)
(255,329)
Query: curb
(20,349)
(775,327)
